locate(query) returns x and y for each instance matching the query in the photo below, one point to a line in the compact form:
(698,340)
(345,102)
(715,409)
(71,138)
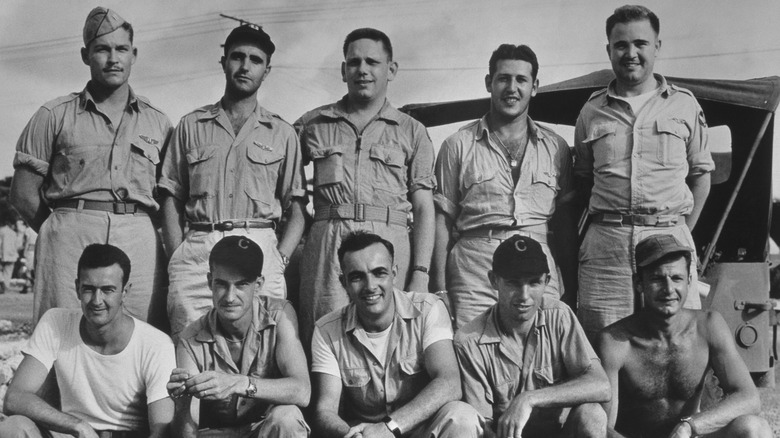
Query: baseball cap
(253,33)
(519,256)
(101,21)
(652,248)
(238,252)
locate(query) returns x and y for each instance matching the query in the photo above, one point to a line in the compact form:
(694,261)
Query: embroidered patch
(149,140)
(263,147)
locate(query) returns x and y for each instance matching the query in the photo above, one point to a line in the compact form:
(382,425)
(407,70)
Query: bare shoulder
(613,343)
(713,327)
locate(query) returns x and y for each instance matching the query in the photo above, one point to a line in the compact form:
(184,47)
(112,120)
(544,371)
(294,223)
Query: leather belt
(536,232)
(230,225)
(361,213)
(644,220)
(113,207)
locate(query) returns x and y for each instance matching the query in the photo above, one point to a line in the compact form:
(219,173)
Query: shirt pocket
(388,173)
(544,188)
(260,181)
(203,171)
(145,159)
(482,191)
(328,166)
(503,393)
(601,139)
(543,377)
(672,136)
(77,169)
(356,383)
(413,376)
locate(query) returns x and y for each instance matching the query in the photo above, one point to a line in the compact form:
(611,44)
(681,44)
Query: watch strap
(392,426)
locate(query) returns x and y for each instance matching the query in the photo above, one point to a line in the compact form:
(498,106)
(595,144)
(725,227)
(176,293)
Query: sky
(442,48)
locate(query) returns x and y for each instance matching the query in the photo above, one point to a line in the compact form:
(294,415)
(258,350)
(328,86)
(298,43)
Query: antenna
(242,22)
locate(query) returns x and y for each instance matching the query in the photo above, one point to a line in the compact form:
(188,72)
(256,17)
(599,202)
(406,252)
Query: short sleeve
(45,341)
(474,383)
(322,358)
(174,176)
(35,145)
(698,151)
(291,182)
(564,172)
(421,163)
(160,360)
(583,154)
(447,172)
(436,325)
(576,351)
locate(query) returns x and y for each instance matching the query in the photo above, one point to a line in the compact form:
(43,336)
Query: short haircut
(629,13)
(371,34)
(511,51)
(358,240)
(129,28)
(666,259)
(99,255)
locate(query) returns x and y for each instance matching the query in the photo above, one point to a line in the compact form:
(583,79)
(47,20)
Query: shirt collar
(404,309)
(261,319)
(491,333)
(663,89)
(483,128)
(339,111)
(213,111)
(87,102)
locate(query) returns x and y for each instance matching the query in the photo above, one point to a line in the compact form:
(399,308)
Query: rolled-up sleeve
(698,151)
(292,181)
(447,195)
(420,170)
(174,177)
(583,154)
(35,145)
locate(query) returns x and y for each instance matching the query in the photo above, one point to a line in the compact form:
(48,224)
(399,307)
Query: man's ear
(393,69)
(489,83)
(493,280)
(222,63)
(639,295)
(85,55)
(535,88)
(343,72)
(260,282)
(208,280)
(78,289)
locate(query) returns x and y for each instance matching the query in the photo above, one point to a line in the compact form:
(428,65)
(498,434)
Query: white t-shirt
(110,392)
(437,327)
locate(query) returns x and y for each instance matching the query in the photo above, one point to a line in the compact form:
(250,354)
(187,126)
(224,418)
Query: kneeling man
(657,358)
(527,356)
(242,370)
(111,368)
(383,365)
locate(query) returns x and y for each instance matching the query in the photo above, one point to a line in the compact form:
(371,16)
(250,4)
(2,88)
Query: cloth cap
(253,33)
(238,252)
(101,21)
(652,248)
(519,256)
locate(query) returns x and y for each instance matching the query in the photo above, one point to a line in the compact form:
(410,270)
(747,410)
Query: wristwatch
(392,426)
(285,260)
(689,420)
(251,389)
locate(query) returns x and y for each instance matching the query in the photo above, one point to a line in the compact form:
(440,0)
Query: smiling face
(367,69)
(664,286)
(245,67)
(233,293)
(511,88)
(101,293)
(518,298)
(110,58)
(368,276)
(632,49)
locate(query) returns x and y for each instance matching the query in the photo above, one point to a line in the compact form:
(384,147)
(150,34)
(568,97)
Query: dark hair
(357,240)
(129,28)
(629,13)
(371,34)
(511,51)
(99,255)
(672,256)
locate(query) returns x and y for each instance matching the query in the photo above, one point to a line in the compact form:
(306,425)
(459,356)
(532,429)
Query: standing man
(233,168)
(111,368)
(643,162)
(372,166)
(242,370)
(500,176)
(383,365)
(527,356)
(86,167)
(657,359)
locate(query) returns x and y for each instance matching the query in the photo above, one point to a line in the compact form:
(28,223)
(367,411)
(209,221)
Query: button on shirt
(209,349)
(492,374)
(372,391)
(81,154)
(223,176)
(391,158)
(476,188)
(639,162)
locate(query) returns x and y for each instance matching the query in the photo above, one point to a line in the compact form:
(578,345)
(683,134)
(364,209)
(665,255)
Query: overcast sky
(442,48)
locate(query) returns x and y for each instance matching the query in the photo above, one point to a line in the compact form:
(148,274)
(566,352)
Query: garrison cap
(101,21)
(253,33)
(519,256)
(652,248)
(238,252)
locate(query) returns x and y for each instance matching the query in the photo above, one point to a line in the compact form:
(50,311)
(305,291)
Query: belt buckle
(226,226)
(665,222)
(614,219)
(122,208)
(360,213)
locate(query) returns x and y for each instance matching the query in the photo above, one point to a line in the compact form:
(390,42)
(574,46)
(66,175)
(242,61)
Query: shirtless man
(657,358)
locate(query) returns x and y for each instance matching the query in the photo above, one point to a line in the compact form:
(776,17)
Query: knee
(749,426)
(587,420)
(284,421)
(459,419)
(19,426)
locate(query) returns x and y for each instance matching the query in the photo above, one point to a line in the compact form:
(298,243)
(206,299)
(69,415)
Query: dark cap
(253,33)
(652,248)
(238,252)
(519,256)
(101,21)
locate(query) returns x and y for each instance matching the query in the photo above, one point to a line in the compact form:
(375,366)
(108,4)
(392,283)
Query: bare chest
(673,372)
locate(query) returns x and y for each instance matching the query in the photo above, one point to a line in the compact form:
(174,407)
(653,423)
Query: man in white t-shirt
(384,364)
(111,368)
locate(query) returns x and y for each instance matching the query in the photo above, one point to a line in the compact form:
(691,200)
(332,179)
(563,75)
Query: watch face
(251,390)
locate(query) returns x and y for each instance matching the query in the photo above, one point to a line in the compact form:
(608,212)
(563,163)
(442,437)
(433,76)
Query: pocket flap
(355,377)
(388,155)
(324,152)
(600,130)
(199,155)
(674,127)
(150,152)
(413,364)
(476,177)
(545,177)
(259,155)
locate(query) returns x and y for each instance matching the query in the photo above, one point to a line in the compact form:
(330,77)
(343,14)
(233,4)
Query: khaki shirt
(209,349)
(223,176)
(82,155)
(639,162)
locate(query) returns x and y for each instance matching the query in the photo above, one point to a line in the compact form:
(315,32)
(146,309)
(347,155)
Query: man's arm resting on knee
(611,354)
(22,399)
(25,196)
(327,396)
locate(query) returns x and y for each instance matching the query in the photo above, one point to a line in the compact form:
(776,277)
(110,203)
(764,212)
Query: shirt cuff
(170,186)
(445,205)
(427,182)
(22,159)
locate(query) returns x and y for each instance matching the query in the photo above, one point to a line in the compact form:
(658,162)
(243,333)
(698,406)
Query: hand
(84,430)
(369,430)
(176,385)
(682,430)
(418,282)
(511,424)
(213,385)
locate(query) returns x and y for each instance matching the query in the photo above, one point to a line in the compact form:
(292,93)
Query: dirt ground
(17,308)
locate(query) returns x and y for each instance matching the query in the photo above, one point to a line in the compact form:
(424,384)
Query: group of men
(492,224)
